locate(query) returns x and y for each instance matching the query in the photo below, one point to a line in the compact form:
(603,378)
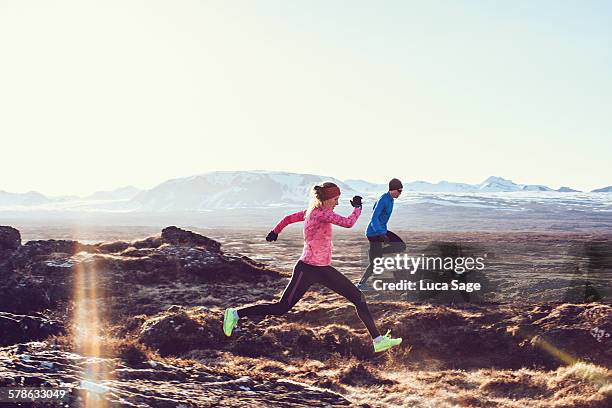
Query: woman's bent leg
(297,287)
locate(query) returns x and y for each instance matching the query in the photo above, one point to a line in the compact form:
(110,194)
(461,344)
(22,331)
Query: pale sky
(99,95)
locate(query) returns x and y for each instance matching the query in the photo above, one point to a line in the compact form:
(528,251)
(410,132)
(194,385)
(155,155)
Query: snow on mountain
(123,193)
(258,189)
(440,187)
(490,185)
(536,187)
(603,190)
(567,190)
(499,184)
(26,199)
(234,189)
(365,186)
(420,186)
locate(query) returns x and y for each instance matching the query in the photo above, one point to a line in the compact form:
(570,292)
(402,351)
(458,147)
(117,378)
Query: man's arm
(378,208)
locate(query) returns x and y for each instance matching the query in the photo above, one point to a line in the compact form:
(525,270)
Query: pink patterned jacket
(318,232)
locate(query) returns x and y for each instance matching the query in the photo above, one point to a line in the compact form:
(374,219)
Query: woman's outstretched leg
(336,281)
(297,287)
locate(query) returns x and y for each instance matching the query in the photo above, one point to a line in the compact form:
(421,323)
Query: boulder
(22,328)
(10,238)
(10,241)
(113,247)
(45,247)
(151,242)
(178,236)
(180,331)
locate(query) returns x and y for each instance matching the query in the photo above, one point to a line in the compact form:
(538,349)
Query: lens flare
(87,326)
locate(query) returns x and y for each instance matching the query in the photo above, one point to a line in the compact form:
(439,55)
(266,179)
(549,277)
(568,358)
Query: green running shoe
(230,320)
(386,342)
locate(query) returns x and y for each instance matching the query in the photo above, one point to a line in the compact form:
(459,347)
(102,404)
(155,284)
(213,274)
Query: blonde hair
(316,196)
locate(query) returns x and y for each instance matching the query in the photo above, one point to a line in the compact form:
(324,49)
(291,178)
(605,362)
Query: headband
(330,192)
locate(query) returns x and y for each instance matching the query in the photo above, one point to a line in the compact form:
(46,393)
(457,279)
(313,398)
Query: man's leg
(374,252)
(394,245)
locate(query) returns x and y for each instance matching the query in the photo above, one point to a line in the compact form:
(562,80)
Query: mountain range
(492,184)
(244,189)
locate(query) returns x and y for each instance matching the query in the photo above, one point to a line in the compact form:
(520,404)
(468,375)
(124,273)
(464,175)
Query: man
(377,232)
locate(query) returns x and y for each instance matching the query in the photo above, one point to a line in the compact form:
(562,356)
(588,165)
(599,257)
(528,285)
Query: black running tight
(377,250)
(304,275)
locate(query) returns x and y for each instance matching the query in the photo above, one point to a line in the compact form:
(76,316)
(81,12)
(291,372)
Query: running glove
(272,236)
(356,202)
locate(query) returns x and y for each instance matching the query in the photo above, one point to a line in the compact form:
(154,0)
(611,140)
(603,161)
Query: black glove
(272,236)
(356,202)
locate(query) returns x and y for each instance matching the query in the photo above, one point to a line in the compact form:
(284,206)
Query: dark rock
(175,308)
(138,252)
(53,255)
(45,247)
(41,274)
(571,327)
(10,238)
(358,374)
(113,247)
(151,242)
(21,328)
(10,241)
(177,332)
(178,236)
(199,264)
(20,294)
(192,385)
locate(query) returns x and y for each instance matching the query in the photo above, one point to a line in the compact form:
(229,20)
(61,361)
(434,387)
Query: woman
(314,265)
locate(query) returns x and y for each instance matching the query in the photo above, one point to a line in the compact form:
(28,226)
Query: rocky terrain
(138,323)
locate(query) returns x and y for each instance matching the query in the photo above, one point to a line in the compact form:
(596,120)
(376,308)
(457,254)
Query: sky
(99,95)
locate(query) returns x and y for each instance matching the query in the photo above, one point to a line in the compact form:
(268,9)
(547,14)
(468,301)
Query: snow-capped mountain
(257,189)
(440,187)
(490,185)
(233,189)
(420,186)
(603,190)
(567,190)
(123,193)
(26,199)
(365,186)
(499,184)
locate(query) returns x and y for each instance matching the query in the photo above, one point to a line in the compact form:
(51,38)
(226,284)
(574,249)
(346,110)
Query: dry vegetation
(499,352)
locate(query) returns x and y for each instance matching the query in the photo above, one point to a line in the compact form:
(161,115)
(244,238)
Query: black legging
(395,244)
(305,275)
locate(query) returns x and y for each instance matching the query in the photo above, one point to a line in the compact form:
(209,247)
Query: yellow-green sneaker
(230,320)
(386,342)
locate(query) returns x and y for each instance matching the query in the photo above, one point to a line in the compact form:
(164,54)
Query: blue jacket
(383,208)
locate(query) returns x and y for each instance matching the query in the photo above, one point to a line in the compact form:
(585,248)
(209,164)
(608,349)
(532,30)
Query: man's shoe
(364,287)
(386,342)
(230,320)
